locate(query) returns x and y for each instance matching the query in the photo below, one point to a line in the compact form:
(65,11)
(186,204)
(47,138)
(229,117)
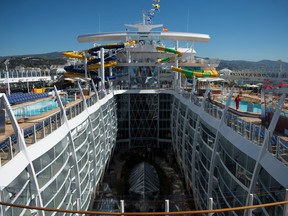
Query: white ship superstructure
(58,160)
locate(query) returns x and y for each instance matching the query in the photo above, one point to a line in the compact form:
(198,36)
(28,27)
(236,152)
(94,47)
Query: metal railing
(278,147)
(40,129)
(25,73)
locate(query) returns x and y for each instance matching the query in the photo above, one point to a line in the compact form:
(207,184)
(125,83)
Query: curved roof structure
(144,179)
(144,30)
(122,36)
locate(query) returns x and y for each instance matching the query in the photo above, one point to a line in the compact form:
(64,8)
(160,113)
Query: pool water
(243,106)
(35,108)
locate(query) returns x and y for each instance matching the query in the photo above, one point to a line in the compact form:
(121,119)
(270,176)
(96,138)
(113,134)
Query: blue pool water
(35,108)
(243,106)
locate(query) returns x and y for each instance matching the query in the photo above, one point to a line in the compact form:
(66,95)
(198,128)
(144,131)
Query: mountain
(52,55)
(263,65)
(37,60)
(55,58)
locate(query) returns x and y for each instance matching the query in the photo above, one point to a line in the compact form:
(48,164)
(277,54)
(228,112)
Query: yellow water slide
(79,55)
(73,75)
(188,74)
(164,49)
(73,54)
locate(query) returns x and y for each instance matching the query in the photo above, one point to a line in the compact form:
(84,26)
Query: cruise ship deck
(54,164)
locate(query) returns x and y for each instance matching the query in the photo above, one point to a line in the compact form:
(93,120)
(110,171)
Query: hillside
(55,58)
(53,55)
(40,60)
(264,65)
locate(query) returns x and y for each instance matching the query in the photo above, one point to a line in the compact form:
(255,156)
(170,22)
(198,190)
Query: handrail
(26,75)
(249,130)
(52,121)
(242,208)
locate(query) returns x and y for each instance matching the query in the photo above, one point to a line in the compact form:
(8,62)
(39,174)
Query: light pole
(280,69)
(7,76)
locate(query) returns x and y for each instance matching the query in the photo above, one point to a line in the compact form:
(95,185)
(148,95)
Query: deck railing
(32,134)
(278,147)
(25,73)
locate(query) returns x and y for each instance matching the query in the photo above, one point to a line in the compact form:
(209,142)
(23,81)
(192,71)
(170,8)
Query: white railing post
(43,129)
(250,203)
(2,207)
(250,131)
(259,135)
(122,206)
(34,134)
(10,153)
(37,203)
(166,205)
(210,205)
(285,211)
(50,125)
(102,68)
(78,205)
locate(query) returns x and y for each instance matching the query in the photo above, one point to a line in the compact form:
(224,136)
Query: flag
(164,29)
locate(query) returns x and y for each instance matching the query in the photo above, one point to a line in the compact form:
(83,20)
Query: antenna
(99,23)
(143,18)
(187,27)
(188,17)
(7,75)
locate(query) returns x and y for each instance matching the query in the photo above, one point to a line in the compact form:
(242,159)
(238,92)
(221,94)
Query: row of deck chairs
(20,97)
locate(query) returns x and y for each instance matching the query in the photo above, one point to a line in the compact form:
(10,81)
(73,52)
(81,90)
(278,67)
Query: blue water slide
(80,70)
(107,46)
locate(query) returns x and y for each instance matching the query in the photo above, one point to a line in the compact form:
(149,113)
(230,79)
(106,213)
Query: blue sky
(250,30)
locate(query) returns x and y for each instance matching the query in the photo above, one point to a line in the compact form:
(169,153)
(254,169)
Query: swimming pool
(244,105)
(35,108)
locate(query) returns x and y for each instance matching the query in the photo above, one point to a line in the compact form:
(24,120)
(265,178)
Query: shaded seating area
(20,97)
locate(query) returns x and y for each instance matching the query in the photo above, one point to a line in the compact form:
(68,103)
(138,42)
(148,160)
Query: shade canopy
(267,87)
(282,84)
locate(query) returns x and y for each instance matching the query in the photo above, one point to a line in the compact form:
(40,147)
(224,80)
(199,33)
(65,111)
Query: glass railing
(253,132)
(40,129)
(278,146)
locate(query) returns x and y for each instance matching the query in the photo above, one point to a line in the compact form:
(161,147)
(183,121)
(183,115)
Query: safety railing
(253,132)
(165,207)
(25,73)
(32,134)
(278,146)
